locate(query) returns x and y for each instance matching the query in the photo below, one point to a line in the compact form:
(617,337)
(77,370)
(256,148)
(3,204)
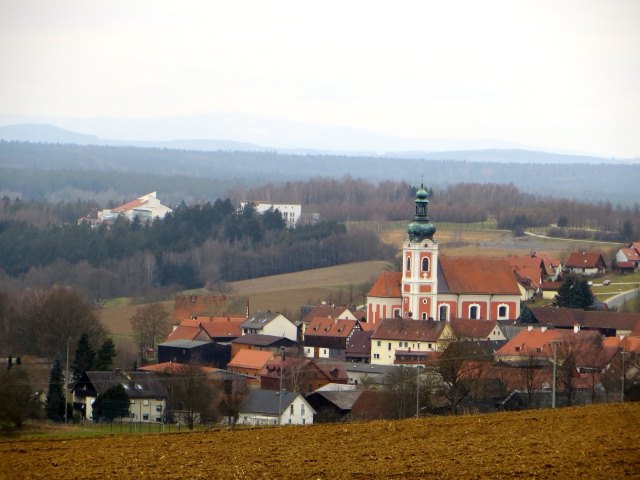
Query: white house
(290,211)
(144,208)
(270,323)
(266,407)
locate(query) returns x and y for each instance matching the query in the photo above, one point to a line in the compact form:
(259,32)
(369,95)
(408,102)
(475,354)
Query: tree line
(202,244)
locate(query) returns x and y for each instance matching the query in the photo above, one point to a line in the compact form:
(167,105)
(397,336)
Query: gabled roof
(482,275)
(222,327)
(359,343)
(388,285)
(635,245)
(594,319)
(180,343)
(184,332)
(267,401)
(259,319)
(631,254)
(136,384)
(408,329)
(328,311)
(341,399)
(327,327)
(585,260)
(253,359)
(467,328)
(173,367)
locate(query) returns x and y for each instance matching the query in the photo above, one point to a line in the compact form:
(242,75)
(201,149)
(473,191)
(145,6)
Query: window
(474,311)
(145,403)
(302,409)
(425,264)
(145,417)
(443,313)
(429,346)
(378,342)
(376,355)
(133,402)
(389,346)
(424,316)
(408,264)
(291,409)
(158,408)
(396,313)
(158,419)
(503,312)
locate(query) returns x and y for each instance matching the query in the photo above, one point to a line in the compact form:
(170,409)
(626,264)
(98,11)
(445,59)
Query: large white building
(144,208)
(290,211)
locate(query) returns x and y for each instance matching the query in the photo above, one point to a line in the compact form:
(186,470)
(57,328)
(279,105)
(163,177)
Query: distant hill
(475,152)
(68,171)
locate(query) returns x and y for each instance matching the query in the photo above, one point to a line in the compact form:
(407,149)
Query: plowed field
(600,441)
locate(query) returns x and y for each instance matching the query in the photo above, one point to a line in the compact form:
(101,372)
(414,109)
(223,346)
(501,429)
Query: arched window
(424,315)
(408,264)
(474,311)
(443,313)
(425,264)
(503,312)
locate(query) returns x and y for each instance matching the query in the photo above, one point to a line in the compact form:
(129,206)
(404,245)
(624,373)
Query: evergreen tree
(525,315)
(55,394)
(574,292)
(105,356)
(111,404)
(84,357)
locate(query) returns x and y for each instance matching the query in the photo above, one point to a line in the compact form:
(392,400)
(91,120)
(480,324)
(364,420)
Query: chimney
(576,328)
(529,328)
(543,329)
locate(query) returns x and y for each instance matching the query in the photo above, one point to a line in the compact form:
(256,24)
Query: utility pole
(622,353)
(66,383)
(418,368)
(554,345)
(280,391)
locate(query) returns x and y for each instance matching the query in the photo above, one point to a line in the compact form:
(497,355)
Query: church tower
(420,264)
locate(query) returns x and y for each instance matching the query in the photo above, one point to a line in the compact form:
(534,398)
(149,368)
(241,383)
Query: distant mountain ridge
(46,133)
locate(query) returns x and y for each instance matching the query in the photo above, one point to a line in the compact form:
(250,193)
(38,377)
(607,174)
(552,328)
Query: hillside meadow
(596,441)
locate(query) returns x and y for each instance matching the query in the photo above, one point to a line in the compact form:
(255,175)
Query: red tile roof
(631,254)
(387,285)
(172,368)
(252,359)
(184,332)
(479,275)
(327,327)
(585,260)
(359,344)
(407,329)
(219,327)
(138,202)
(466,328)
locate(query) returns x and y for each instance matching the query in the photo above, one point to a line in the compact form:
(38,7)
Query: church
(434,287)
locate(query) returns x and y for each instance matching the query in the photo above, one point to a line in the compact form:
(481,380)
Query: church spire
(421,227)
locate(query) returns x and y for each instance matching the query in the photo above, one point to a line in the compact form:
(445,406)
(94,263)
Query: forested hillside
(83,171)
(195,246)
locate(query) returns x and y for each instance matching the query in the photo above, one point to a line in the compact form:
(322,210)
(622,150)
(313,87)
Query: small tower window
(408,264)
(424,316)
(425,264)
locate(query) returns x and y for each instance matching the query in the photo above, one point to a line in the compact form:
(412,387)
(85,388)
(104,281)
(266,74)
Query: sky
(555,75)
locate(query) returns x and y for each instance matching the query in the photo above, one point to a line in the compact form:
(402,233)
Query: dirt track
(600,441)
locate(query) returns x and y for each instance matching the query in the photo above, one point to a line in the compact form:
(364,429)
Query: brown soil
(601,441)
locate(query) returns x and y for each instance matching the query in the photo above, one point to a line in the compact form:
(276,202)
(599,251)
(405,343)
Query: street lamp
(66,383)
(622,354)
(554,345)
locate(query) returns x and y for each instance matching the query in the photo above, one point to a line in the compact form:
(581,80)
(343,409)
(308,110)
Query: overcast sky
(561,75)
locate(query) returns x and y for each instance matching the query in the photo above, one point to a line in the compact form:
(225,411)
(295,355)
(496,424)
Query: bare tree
(151,323)
(531,376)
(190,394)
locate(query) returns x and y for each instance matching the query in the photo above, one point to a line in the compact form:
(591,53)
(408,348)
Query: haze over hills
(240,133)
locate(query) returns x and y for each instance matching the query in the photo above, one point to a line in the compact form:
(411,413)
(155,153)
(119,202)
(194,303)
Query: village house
(270,323)
(628,259)
(431,286)
(145,208)
(146,394)
(359,347)
(301,374)
(395,337)
(328,337)
(465,329)
(333,405)
(268,407)
(585,263)
(608,324)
